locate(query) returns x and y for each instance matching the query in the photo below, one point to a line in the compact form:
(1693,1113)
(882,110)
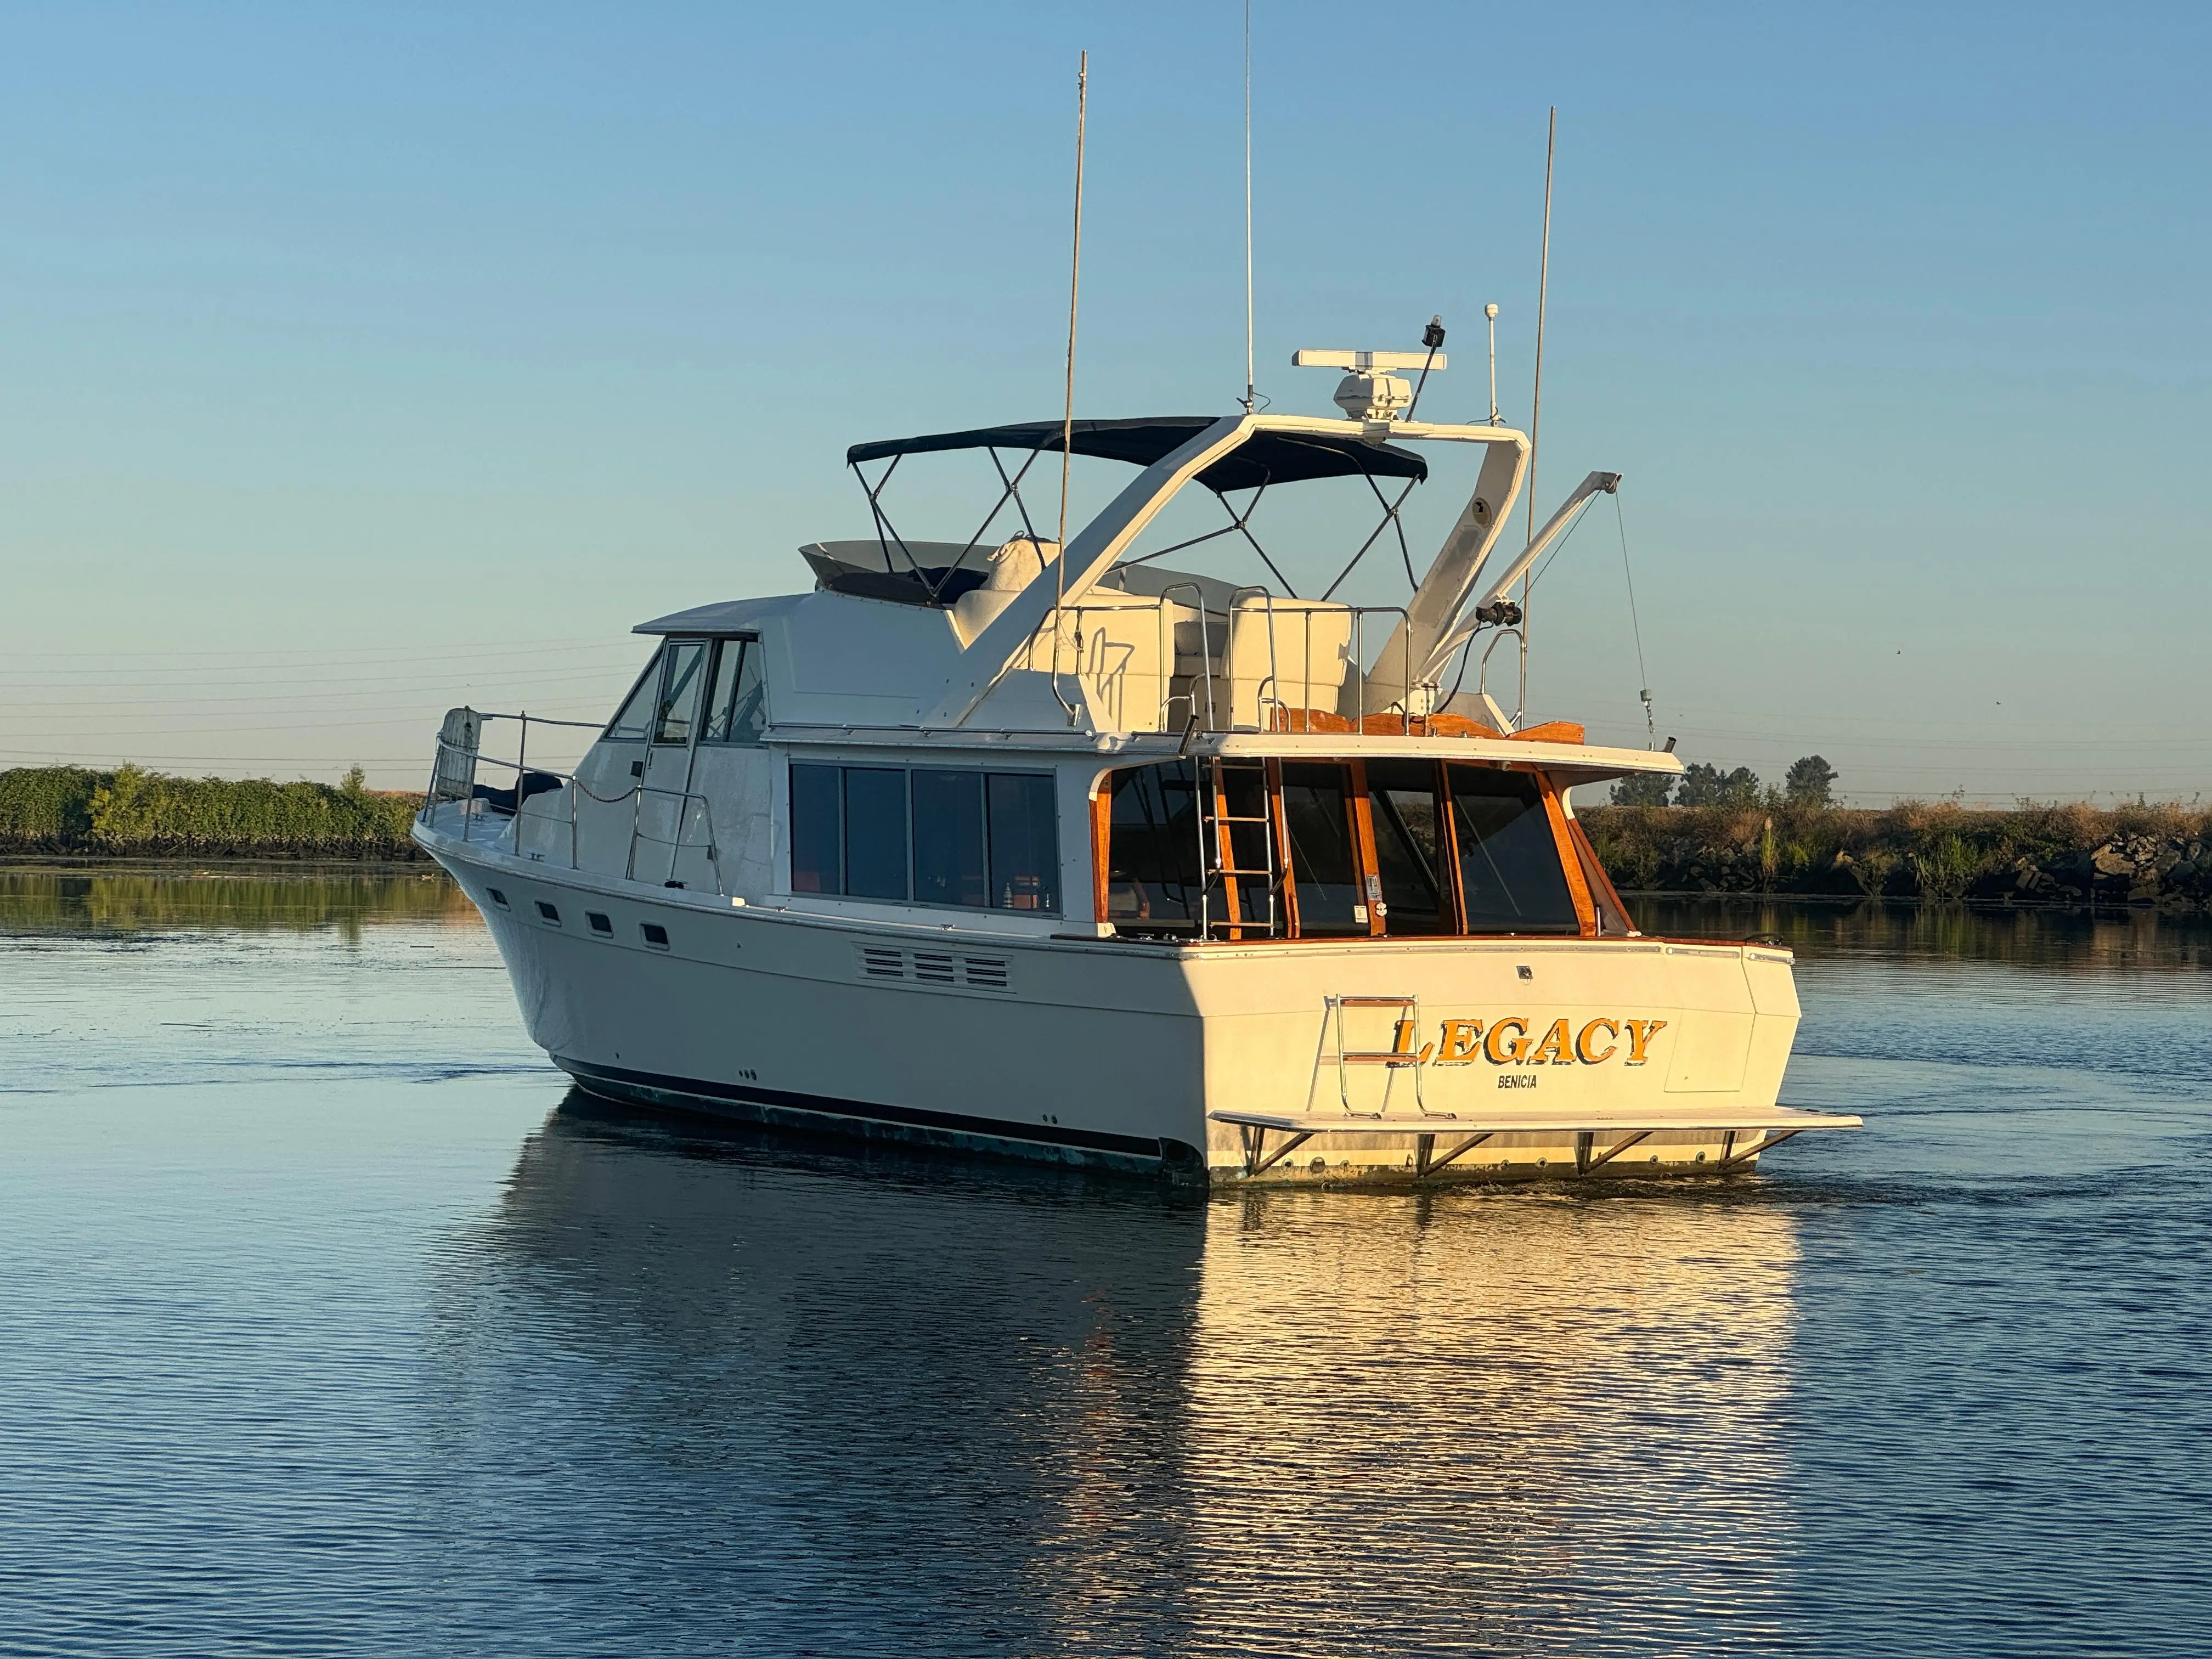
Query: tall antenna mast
(1249,397)
(1068,417)
(1536,401)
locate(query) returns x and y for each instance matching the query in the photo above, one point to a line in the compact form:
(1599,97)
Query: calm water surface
(333,1324)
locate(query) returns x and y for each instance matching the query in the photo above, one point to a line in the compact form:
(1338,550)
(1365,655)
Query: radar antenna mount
(1373,394)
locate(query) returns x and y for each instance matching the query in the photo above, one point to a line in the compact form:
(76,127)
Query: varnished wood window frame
(1367,867)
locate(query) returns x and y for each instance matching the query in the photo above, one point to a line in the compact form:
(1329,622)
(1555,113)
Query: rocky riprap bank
(2069,854)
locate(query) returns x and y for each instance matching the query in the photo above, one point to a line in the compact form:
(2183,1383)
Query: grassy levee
(133,813)
(2033,855)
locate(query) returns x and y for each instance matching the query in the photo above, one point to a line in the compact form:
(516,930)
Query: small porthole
(655,934)
(497,897)
(599,923)
(549,913)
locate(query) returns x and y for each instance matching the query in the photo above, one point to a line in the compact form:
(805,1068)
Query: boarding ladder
(1404,1053)
(1250,893)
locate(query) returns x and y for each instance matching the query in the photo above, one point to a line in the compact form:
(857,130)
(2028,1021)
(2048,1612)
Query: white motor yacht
(1054,853)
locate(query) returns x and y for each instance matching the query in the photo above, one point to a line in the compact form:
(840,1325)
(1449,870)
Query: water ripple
(335,1324)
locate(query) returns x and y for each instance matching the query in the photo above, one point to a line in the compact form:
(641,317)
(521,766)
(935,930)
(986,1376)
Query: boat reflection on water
(861,1401)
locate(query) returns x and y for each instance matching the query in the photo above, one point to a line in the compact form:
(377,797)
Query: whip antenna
(1067,416)
(1536,401)
(1248,395)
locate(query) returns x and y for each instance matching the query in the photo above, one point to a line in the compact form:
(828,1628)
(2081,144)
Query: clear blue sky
(358,362)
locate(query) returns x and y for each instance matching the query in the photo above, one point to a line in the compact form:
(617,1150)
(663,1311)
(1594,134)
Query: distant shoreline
(73,818)
(169,864)
(2059,854)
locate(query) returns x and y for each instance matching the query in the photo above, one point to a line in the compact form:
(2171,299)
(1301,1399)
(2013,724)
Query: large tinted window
(736,710)
(1152,874)
(1509,863)
(973,839)
(1024,842)
(949,866)
(875,832)
(815,865)
(1324,864)
(679,690)
(1403,799)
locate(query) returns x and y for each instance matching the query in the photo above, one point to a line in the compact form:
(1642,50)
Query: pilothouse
(1060,852)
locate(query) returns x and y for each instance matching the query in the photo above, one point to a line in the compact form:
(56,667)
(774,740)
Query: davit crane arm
(1492,606)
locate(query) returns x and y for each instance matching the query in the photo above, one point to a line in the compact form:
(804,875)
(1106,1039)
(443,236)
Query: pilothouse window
(679,694)
(736,709)
(634,723)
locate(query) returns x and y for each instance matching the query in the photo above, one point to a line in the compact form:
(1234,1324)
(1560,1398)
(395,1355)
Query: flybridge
(1112,631)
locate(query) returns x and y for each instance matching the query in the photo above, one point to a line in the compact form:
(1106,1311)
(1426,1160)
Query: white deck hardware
(1372,393)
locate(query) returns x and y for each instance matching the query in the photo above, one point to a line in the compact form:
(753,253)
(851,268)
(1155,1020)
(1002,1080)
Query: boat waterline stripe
(830,1106)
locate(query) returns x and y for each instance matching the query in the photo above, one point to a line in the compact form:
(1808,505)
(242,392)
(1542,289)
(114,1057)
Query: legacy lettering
(1510,1041)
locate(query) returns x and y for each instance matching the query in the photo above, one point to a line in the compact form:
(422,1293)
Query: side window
(1508,864)
(1151,849)
(1024,842)
(680,695)
(1324,858)
(1402,797)
(948,838)
(737,708)
(635,720)
(975,840)
(875,832)
(816,836)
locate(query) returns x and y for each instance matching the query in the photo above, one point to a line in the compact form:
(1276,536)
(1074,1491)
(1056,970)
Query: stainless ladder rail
(1216,851)
(1401,1055)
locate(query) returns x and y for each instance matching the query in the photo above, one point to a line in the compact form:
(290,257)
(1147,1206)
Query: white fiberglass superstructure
(1054,853)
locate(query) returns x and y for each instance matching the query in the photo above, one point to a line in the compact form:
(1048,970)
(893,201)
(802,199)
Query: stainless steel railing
(453,782)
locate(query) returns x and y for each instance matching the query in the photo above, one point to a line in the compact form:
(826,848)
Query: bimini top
(1265,458)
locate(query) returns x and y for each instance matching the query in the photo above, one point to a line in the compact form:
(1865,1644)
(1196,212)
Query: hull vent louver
(939,967)
(985,973)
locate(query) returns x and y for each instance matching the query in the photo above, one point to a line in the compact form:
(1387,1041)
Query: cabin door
(668,817)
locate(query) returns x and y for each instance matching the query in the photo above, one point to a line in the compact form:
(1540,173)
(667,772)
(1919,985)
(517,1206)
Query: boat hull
(1220,1062)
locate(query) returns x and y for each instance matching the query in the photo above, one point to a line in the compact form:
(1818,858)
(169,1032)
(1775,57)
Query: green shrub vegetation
(2034,852)
(132,812)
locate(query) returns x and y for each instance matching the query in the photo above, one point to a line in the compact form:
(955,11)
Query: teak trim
(1571,861)
(1579,865)
(1369,870)
(1448,847)
(1102,841)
